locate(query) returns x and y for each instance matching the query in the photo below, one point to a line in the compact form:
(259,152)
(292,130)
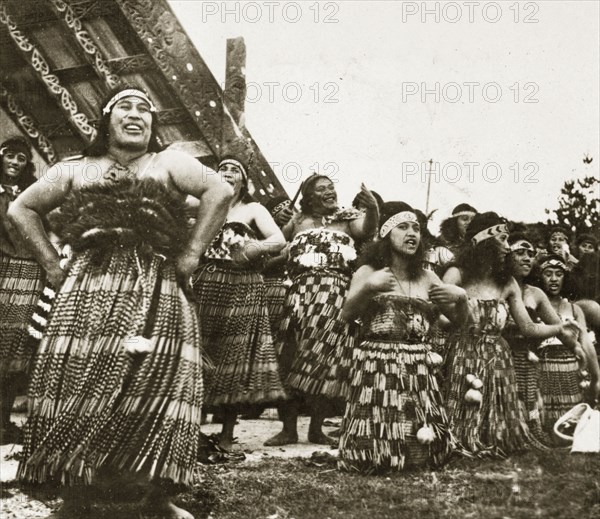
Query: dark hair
(244,195)
(307,190)
(537,278)
(379,253)
(586,237)
(555,229)
(377,197)
(100,144)
(20,144)
(449,227)
(516,236)
(585,281)
(463,207)
(475,260)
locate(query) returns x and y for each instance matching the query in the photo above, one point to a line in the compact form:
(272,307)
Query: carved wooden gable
(59,58)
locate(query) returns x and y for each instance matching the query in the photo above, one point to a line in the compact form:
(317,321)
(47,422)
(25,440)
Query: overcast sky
(503,96)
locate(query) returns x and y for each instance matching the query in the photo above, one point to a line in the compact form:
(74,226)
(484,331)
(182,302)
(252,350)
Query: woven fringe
(324,341)
(393,393)
(275,292)
(237,337)
(498,426)
(94,404)
(559,383)
(21,283)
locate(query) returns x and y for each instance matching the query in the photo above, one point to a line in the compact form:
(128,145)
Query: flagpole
(428,186)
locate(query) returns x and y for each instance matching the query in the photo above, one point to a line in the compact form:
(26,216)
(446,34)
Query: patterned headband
(553,263)
(464,213)
(280,206)
(521,244)
(397,219)
(126,93)
(237,164)
(490,232)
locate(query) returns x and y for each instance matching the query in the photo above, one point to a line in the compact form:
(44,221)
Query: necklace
(400,284)
(117,171)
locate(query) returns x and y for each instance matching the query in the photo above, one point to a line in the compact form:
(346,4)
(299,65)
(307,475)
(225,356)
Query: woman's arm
(188,175)
(567,333)
(27,211)
(366,226)
(589,352)
(451,299)
(365,284)
(273,241)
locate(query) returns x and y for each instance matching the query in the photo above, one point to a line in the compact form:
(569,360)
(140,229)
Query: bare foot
(225,442)
(178,513)
(280,439)
(165,511)
(322,439)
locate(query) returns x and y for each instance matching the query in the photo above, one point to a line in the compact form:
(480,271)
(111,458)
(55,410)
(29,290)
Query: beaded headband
(397,219)
(235,163)
(521,244)
(126,93)
(490,232)
(464,213)
(553,263)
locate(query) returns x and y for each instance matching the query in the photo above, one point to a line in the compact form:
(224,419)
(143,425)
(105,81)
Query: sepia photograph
(299,259)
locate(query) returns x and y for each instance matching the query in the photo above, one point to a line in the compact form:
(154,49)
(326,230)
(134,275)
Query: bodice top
(132,213)
(231,235)
(489,316)
(392,317)
(321,248)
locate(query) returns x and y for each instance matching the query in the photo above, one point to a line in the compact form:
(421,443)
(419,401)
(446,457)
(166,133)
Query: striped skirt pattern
(236,336)
(559,383)
(393,393)
(323,341)
(97,402)
(497,425)
(21,284)
(527,374)
(275,292)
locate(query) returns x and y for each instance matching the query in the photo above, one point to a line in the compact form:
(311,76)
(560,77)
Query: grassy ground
(549,485)
(555,485)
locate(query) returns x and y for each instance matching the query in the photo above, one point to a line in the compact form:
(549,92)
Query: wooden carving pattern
(51,81)
(92,53)
(198,91)
(131,64)
(168,45)
(27,125)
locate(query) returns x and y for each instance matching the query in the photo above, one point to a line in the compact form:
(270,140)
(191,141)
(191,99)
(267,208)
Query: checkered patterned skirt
(236,336)
(498,424)
(559,383)
(393,393)
(323,341)
(21,283)
(95,401)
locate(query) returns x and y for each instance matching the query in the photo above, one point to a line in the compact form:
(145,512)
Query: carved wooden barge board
(60,57)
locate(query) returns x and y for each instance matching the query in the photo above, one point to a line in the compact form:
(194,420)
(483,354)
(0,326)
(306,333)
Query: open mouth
(133,129)
(329,199)
(411,242)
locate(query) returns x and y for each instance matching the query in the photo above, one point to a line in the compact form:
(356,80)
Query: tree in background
(578,205)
